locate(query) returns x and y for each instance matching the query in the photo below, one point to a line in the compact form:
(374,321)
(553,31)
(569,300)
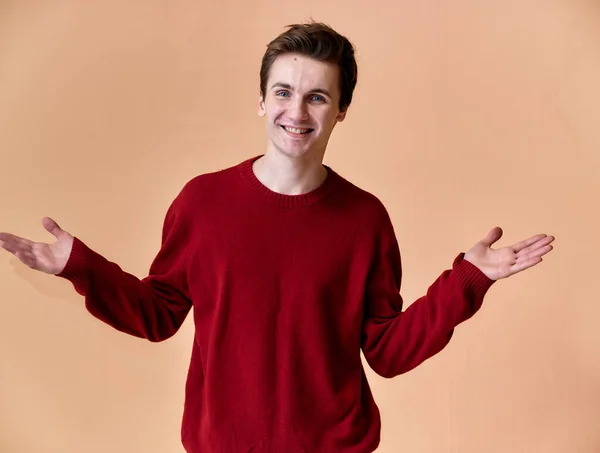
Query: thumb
(493,236)
(52,227)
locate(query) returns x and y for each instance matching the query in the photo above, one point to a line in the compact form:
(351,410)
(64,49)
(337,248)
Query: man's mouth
(296,130)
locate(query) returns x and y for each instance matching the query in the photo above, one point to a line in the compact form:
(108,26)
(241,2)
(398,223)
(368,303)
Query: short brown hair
(320,42)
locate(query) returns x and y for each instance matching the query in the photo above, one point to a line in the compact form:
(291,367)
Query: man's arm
(153,307)
(396,341)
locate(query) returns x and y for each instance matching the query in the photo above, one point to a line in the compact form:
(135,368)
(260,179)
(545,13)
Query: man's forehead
(298,72)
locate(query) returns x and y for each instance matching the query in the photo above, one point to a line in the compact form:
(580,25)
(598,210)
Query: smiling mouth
(296,130)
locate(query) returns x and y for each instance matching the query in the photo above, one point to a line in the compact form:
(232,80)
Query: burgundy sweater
(287,291)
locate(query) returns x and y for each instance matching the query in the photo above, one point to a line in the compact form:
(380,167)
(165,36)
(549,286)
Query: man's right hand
(48,258)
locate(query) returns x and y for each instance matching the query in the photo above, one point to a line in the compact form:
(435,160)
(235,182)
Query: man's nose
(298,111)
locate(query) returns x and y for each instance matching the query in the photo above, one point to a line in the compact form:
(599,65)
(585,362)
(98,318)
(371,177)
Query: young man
(291,271)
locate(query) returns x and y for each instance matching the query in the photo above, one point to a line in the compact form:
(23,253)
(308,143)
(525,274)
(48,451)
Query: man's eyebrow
(281,85)
(287,86)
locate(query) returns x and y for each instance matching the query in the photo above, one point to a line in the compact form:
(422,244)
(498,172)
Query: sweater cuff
(78,266)
(470,279)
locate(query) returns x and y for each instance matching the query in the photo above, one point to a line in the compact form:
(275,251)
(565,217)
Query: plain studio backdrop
(468,114)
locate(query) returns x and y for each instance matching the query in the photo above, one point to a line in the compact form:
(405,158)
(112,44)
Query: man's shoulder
(364,213)
(216,180)
(205,189)
(213,177)
(361,198)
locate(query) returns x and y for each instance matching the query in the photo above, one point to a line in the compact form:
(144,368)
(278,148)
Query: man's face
(301,105)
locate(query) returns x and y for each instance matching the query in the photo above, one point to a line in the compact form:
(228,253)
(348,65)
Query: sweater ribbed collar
(283,200)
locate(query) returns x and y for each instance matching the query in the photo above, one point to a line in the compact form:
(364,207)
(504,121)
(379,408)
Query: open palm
(48,258)
(504,262)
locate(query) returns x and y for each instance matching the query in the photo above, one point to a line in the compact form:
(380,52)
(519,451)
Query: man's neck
(289,176)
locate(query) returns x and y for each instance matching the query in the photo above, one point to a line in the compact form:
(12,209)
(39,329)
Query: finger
(527,242)
(536,253)
(5,237)
(52,227)
(26,257)
(524,264)
(493,236)
(13,244)
(540,244)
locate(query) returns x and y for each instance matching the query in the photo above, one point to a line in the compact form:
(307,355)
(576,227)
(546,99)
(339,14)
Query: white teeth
(294,130)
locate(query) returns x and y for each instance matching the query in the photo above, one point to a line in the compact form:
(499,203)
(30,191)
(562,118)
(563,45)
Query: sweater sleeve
(396,341)
(153,307)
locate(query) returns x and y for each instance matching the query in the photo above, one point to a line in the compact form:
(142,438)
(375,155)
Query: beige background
(468,114)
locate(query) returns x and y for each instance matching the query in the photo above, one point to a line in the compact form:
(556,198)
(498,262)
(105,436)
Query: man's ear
(261,105)
(342,115)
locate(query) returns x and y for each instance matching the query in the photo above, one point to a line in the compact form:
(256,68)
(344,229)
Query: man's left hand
(507,261)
